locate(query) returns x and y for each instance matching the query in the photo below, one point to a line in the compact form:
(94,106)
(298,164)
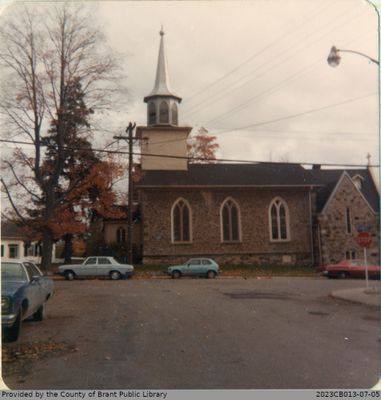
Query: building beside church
(263,213)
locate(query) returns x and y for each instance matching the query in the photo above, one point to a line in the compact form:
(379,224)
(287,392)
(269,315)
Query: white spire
(162,86)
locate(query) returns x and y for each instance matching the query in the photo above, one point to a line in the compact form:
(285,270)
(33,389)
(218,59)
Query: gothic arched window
(151,113)
(181,221)
(279,220)
(120,235)
(230,221)
(174,114)
(164,113)
(348,220)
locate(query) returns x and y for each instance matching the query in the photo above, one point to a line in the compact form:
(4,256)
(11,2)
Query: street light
(334,60)
(334,57)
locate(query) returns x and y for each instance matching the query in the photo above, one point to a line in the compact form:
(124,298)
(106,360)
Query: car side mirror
(35,278)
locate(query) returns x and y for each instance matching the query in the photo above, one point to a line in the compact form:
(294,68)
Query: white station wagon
(97,266)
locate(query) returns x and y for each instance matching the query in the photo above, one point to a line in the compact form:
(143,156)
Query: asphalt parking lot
(200,334)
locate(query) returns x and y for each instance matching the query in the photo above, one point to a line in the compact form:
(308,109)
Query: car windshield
(13,272)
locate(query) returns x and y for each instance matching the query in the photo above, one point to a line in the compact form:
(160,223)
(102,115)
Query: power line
(311,111)
(301,113)
(256,97)
(273,89)
(233,129)
(220,160)
(305,21)
(225,92)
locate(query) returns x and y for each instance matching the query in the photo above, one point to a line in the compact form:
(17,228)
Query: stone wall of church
(255,247)
(334,240)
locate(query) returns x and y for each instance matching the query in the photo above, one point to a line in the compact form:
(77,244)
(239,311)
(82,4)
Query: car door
(34,291)
(88,268)
(46,283)
(356,269)
(103,266)
(194,266)
(206,266)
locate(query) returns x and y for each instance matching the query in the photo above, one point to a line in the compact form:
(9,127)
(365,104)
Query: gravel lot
(198,334)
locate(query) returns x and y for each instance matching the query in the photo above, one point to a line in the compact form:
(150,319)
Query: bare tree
(42,53)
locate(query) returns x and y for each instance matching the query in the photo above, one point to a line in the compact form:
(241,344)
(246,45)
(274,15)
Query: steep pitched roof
(330,177)
(162,85)
(261,175)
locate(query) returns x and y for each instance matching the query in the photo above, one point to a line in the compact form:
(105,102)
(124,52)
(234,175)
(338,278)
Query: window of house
(164,113)
(351,255)
(348,220)
(120,235)
(181,222)
(279,220)
(2,250)
(174,114)
(151,114)
(13,250)
(230,218)
(29,250)
(34,251)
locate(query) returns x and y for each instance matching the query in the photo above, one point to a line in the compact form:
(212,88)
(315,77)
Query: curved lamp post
(334,60)
(334,56)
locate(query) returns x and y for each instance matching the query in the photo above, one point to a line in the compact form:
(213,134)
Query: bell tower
(163,140)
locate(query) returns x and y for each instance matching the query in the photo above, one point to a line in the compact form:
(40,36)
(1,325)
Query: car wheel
(176,274)
(211,275)
(39,315)
(69,275)
(13,333)
(343,275)
(115,275)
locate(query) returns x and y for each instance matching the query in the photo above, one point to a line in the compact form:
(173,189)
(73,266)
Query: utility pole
(129,140)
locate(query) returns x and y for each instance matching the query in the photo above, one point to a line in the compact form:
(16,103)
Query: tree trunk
(68,248)
(47,249)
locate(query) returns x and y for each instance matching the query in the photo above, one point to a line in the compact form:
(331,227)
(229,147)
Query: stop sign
(364,239)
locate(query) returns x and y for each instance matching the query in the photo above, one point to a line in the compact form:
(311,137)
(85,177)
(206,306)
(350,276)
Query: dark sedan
(24,293)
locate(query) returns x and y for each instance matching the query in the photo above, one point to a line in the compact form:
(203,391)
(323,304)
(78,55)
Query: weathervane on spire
(161,30)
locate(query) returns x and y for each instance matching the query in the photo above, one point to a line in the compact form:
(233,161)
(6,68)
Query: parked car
(351,268)
(24,293)
(195,266)
(97,266)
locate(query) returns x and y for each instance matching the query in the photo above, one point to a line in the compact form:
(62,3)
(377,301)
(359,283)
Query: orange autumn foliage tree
(202,147)
(94,194)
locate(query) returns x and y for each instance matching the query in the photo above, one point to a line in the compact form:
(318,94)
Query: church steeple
(163,142)
(162,103)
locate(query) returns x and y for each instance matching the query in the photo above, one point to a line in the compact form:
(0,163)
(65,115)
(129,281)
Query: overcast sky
(237,64)
(243,63)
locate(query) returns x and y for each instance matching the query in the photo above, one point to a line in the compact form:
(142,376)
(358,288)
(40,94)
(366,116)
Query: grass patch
(239,270)
(273,270)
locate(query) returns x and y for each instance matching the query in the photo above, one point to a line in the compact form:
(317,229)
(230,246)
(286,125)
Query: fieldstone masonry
(334,239)
(255,246)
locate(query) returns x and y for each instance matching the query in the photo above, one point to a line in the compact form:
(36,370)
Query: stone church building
(263,213)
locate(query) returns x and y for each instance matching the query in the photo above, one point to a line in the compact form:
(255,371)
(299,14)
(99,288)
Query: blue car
(24,293)
(195,266)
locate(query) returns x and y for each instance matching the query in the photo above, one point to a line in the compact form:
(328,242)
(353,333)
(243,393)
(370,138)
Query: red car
(351,268)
